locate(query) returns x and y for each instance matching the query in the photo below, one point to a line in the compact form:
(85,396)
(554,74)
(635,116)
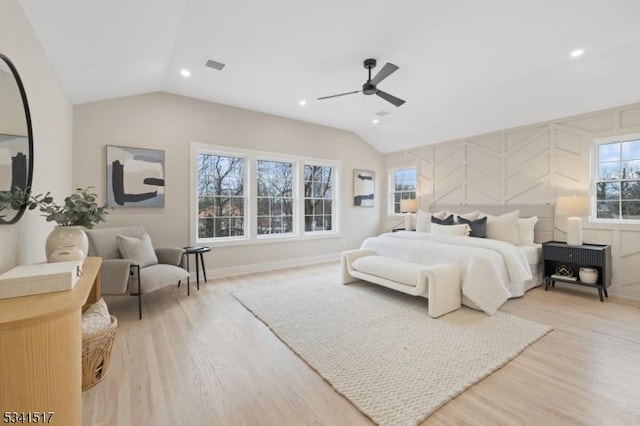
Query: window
(318,199)
(221,196)
(275,197)
(617,179)
(242,196)
(403,184)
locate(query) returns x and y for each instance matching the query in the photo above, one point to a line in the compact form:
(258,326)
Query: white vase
(66,254)
(65,236)
(588,275)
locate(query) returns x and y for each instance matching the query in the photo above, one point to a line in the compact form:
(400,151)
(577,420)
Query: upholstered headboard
(543,229)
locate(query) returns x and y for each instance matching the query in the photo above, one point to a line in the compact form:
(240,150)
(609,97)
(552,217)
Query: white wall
(171,123)
(531,165)
(51,114)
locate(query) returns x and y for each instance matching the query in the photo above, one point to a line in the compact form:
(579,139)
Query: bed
(492,270)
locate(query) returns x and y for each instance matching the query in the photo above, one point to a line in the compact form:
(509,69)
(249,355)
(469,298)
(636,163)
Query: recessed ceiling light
(302,102)
(577,52)
(185,72)
(375,121)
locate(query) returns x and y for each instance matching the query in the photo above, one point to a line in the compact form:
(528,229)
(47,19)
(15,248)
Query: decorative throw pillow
(461,230)
(468,216)
(96,318)
(525,230)
(441,214)
(503,228)
(446,221)
(137,249)
(423,219)
(478,226)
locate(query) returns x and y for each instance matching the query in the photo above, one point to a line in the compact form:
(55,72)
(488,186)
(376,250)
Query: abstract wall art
(135,177)
(364,184)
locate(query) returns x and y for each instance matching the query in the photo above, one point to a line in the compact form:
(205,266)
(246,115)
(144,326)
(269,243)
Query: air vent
(210,63)
(382,113)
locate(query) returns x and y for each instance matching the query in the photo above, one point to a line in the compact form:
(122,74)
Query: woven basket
(96,352)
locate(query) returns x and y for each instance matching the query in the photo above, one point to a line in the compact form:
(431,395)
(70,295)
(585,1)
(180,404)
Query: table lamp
(408,207)
(574,207)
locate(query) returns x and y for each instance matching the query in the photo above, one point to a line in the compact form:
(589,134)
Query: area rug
(381,350)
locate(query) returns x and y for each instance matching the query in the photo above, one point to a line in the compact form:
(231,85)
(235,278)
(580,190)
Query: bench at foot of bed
(439,283)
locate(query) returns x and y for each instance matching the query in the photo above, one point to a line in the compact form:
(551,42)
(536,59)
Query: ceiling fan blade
(341,94)
(387,70)
(390,98)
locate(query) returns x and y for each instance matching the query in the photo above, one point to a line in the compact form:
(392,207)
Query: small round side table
(197,251)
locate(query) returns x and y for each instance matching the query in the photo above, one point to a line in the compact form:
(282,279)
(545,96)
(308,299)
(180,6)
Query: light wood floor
(206,360)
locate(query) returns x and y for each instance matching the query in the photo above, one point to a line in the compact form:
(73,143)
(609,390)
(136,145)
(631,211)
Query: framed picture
(364,185)
(135,177)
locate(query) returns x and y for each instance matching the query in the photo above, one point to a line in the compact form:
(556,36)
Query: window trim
(391,186)
(593,174)
(251,201)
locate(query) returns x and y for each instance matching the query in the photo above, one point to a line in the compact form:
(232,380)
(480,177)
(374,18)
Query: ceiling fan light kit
(370,87)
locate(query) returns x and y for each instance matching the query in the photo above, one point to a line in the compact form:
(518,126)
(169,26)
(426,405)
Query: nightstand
(556,255)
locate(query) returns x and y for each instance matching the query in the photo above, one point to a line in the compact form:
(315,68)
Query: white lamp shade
(572,206)
(409,206)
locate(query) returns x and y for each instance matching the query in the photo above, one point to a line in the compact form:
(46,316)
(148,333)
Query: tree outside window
(287,196)
(617,186)
(275,197)
(221,196)
(318,198)
(403,186)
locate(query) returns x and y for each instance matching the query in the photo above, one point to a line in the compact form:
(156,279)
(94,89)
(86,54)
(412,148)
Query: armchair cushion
(157,276)
(137,249)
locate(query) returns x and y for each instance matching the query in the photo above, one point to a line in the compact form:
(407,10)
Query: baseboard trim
(269,266)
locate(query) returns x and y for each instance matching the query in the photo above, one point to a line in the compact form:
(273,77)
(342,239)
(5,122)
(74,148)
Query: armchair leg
(139,293)
(139,304)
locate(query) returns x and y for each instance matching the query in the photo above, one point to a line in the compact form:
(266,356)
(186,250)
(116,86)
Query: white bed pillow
(525,230)
(469,216)
(423,219)
(461,230)
(504,227)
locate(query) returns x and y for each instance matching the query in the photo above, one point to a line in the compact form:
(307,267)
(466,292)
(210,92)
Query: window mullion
(298,198)
(252,197)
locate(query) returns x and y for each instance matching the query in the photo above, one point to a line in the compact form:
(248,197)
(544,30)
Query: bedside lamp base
(574,231)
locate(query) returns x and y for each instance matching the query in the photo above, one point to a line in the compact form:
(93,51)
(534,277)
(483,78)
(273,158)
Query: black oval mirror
(16,143)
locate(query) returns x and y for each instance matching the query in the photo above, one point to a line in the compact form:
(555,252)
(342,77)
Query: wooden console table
(40,351)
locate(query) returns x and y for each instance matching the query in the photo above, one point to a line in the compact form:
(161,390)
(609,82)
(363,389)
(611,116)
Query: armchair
(118,275)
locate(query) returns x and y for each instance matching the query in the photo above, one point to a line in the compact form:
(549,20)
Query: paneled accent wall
(530,165)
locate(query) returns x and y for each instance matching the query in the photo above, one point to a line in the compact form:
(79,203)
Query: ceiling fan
(370,87)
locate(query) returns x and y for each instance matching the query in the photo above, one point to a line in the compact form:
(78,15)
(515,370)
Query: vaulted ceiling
(466,67)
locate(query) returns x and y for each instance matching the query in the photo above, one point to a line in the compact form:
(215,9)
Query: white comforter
(487,266)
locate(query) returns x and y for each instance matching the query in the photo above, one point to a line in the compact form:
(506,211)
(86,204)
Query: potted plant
(80,209)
